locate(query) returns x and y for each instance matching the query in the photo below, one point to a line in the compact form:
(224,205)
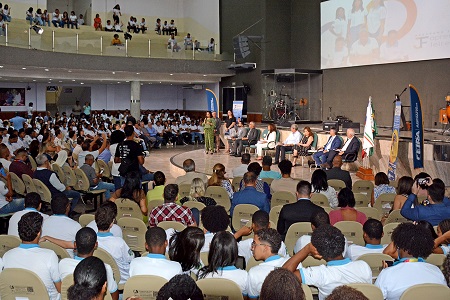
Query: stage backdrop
(12,97)
(383,31)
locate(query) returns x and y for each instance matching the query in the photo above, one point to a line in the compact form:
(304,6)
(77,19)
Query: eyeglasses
(255,244)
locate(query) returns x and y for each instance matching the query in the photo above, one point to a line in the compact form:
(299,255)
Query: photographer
(434,209)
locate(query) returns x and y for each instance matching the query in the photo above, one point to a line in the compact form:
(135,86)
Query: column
(135,103)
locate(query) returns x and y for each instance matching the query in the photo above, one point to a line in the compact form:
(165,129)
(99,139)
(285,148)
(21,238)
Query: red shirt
(170,212)
(18,167)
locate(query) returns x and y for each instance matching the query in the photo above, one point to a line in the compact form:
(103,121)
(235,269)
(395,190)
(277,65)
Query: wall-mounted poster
(12,96)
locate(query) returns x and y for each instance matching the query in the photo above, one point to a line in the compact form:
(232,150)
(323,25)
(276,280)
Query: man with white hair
(250,139)
(351,147)
(293,138)
(189,168)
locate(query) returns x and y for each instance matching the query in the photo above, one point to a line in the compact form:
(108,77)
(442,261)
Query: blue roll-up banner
(394,141)
(211,99)
(238,106)
(416,127)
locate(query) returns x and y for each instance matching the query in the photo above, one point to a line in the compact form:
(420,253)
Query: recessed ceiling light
(160,82)
(81,82)
(69,71)
(34,80)
(138,73)
(118,81)
(171,84)
(49,82)
(205,75)
(24,68)
(73,79)
(150,83)
(113,73)
(1,67)
(171,74)
(50,79)
(127,81)
(46,70)
(60,81)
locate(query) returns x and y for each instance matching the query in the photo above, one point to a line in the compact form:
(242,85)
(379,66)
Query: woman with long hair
(404,187)
(185,246)
(132,189)
(222,256)
(268,141)
(89,280)
(197,193)
(218,179)
(301,149)
(209,124)
(320,185)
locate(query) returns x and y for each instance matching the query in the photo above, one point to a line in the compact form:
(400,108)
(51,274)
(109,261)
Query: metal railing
(93,43)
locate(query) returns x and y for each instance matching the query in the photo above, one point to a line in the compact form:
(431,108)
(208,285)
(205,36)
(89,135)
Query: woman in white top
(116,13)
(320,185)
(222,256)
(6,13)
(73,20)
(268,142)
(356,21)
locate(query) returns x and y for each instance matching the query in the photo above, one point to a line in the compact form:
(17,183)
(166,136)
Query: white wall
(36,95)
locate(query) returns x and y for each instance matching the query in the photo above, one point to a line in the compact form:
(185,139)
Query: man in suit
(351,146)
(301,211)
(249,195)
(241,133)
(333,143)
(337,173)
(250,139)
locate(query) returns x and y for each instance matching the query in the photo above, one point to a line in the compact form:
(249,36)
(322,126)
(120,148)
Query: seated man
(32,203)
(19,165)
(159,179)
(333,143)
(251,138)
(58,225)
(234,139)
(348,151)
(265,246)
(189,168)
(266,171)
(155,263)
(337,173)
(373,232)
(286,182)
(95,180)
(115,229)
(87,146)
(410,244)
(85,244)
(293,138)
(170,211)
(260,220)
(437,209)
(318,218)
(187,41)
(8,204)
(249,195)
(116,246)
(214,219)
(301,211)
(242,168)
(172,44)
(31,257)
(328,243)
(49,178)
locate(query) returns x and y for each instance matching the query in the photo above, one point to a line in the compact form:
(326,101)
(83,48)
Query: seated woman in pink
(347,211)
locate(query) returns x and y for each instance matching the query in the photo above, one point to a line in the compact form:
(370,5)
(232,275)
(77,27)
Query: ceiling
(31,74)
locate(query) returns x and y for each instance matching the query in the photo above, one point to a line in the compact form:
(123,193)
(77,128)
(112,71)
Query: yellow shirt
(116,42)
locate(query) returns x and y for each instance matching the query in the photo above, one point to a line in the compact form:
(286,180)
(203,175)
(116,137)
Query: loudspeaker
(354,126)
(328,124)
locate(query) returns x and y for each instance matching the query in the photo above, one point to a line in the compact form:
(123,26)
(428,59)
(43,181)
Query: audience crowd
(258,255)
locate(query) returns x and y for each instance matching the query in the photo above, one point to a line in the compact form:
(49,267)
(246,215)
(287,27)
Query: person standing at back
(128,153)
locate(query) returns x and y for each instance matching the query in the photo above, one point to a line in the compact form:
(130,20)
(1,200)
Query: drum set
(284,107)
(444,115)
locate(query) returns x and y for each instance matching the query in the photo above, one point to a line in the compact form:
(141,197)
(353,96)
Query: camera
(423,182)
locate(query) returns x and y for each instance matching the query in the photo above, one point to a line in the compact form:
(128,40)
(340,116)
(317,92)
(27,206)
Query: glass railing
(90,42)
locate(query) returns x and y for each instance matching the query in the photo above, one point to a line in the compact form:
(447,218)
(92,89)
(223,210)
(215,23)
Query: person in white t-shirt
(59,225)
(172,44)
(260,220)
(155,263)
(265,246)
(356,20)
(365,50)
(33,203)
(328,242)
(376,18)
(73,20)
(31,257)
(222,257)
(411,244)
(214,219)
(116,246)
(85,244)
(373,232)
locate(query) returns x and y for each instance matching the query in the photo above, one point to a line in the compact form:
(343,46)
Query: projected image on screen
(365,32)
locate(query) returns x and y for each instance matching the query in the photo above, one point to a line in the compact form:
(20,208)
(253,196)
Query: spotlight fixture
(128,36)
(37,29)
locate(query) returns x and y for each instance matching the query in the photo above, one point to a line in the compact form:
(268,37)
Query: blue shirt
(270,174)
(250,195)
(105,155)
(17,122)
(152,131)
(433,213)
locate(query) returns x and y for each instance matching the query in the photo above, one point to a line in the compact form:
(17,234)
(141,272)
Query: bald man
(337,173)
(350,148)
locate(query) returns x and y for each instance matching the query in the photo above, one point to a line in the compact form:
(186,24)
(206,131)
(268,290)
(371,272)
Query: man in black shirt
(129,153)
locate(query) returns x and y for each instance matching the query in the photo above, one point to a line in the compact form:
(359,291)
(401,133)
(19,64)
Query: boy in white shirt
(85,244)
(33,203)
(328,242)
(373,232)
(260,220)
(115,246)
(31,257)
(155,263)
(265,246)
(109,26)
